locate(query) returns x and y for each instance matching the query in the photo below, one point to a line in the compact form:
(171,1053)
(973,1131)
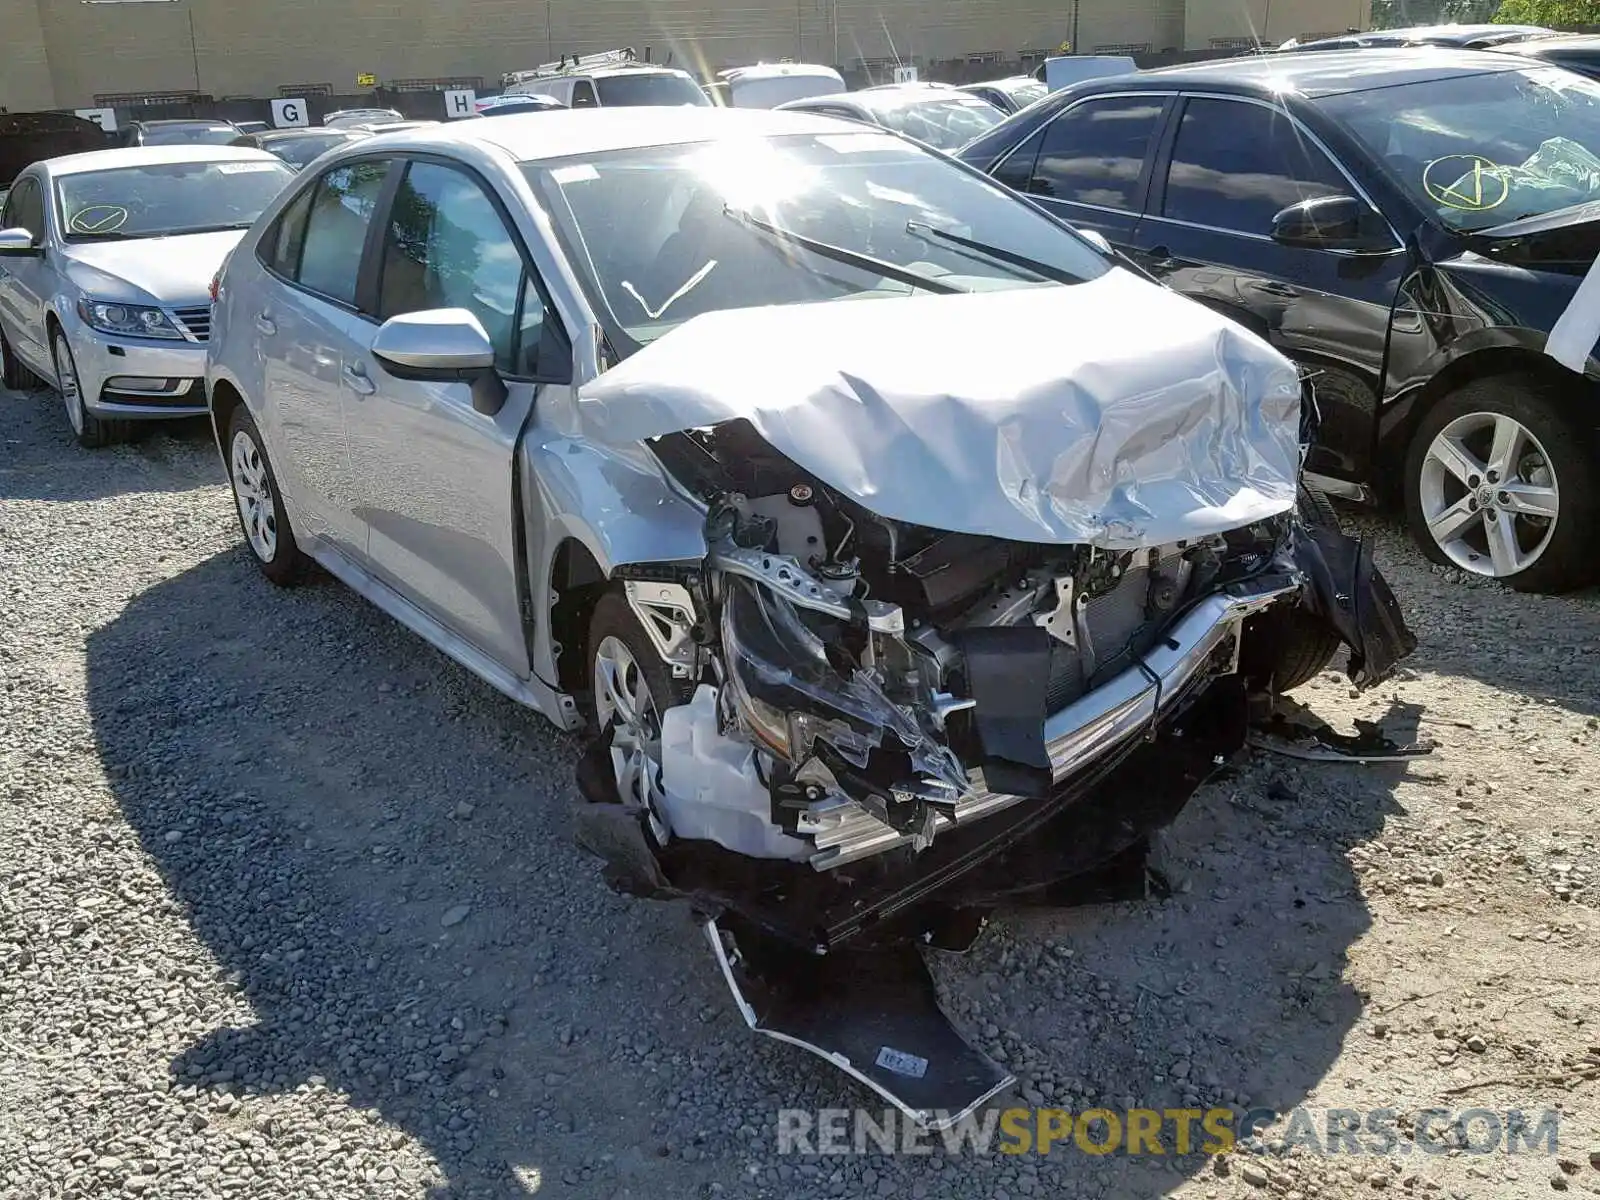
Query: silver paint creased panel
(1113,412)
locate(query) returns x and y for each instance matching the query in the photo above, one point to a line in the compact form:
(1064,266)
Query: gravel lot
(288,907)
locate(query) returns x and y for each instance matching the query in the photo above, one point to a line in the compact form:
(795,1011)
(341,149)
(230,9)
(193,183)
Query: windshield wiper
(983,249)
(103,235)
(203,229)
(851,258)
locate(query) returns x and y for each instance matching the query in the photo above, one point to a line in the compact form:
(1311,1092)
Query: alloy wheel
(1489,494)
(623,703)
(252,489)
(71,394)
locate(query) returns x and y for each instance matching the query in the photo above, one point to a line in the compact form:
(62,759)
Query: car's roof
(174,122)
(1432,33)
(776,70)
(1556,43)
(282,135)
(886,97)
(1318,73)
(532,137)
(141,156)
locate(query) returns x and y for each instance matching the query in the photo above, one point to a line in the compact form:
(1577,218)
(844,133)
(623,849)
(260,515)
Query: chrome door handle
(265,324)
(356,380)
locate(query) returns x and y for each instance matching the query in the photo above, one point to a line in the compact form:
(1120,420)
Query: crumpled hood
(167,270)
(1113,412)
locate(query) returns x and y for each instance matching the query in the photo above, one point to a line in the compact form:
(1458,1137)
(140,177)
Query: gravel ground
(288,907)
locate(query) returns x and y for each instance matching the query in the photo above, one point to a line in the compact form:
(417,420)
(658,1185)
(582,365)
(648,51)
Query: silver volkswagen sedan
(106,263)
(876,523)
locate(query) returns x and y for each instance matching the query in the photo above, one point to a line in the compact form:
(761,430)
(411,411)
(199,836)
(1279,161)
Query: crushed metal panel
(873,1015)
(1098,439)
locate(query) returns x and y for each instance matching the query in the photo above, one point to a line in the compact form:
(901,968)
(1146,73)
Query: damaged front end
(957,641)
(894,729)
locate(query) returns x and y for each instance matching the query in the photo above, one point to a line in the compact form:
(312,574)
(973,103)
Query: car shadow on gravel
(375,849)
(38,460)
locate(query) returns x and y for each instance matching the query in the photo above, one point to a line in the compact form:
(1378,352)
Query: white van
(1069,69)
(607,80)
(767,85)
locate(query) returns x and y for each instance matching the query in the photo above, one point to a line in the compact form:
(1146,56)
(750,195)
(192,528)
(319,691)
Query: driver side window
(25,209)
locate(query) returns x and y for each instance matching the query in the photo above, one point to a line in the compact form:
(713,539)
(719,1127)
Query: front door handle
(266,324)
(356,380)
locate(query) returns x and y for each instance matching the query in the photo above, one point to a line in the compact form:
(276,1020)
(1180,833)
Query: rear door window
(342,207)
(1094,153)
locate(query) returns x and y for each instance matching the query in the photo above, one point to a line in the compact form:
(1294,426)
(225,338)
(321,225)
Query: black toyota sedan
(1413,228)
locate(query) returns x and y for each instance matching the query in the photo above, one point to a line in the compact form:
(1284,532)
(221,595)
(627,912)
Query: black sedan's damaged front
(961,637)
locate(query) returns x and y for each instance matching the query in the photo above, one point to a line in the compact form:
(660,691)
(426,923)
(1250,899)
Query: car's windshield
(188,135)
(664,233)
(649,88)
(162,199)
(298,151)
(1484,149)
(944,122)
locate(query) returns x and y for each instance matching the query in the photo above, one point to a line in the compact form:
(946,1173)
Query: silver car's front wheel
(91,431)
(1489,494)
(632,688)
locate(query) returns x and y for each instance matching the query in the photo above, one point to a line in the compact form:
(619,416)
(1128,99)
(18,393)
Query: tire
(13,374)
(1288,647)
(90,431)
(1550,464)
(259,503)
(614,625)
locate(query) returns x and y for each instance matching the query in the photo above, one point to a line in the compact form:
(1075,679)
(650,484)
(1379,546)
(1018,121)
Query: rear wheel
(91,432)
(13,374)
(260,504)
(1500,482)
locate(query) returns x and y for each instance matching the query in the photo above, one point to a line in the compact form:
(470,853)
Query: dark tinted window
(25,208)
(583,94)
(649,89)
(189,135)
(1016,168)
(279,249)
(1094,152)
(1235,166)
(336,228)
(299,151)
(447,247)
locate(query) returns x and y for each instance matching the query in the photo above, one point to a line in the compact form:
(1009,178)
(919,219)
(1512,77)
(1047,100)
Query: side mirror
(18,243)
(443,345)
(1326,223)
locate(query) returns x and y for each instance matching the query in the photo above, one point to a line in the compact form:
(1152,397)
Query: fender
(615,502)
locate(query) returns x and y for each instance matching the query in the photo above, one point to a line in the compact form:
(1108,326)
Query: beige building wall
(65,52)
(24,66)
(1273,21)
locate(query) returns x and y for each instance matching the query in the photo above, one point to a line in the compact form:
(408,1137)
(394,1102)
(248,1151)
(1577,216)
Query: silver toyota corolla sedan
(106,262)
(880,524)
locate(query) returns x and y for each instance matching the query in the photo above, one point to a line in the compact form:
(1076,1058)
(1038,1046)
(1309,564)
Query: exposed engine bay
(881,682)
